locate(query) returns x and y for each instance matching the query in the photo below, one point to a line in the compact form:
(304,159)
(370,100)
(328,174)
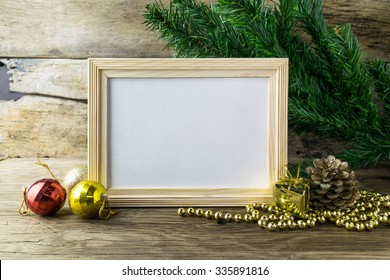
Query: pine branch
(331,86)
(375,146)
(181,26)
(379,72)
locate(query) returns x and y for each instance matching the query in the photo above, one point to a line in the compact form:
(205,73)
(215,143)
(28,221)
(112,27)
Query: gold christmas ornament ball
(86,198)
(75,176)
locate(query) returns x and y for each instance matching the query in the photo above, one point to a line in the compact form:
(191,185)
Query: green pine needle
(333,89)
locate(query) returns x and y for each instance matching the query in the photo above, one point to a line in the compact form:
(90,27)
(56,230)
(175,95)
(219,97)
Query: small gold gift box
(292,194)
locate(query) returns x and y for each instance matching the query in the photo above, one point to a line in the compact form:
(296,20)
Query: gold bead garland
(367,213)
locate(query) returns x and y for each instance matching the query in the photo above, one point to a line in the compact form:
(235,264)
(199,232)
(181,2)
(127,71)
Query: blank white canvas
(187,132)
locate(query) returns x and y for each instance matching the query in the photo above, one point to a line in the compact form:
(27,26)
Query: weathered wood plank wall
(114,28)
(75,29)
(45,44)
(369,20)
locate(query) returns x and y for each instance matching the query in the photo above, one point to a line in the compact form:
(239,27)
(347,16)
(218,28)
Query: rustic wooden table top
(159,233)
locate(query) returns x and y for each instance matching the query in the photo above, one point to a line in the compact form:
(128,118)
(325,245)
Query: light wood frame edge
(101,69)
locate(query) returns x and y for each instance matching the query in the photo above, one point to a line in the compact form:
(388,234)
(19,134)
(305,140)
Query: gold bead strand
(208,214)
(367,213)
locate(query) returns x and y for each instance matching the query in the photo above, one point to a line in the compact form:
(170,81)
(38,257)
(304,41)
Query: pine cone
(333,186)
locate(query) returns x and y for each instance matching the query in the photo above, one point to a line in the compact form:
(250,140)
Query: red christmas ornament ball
(45,197)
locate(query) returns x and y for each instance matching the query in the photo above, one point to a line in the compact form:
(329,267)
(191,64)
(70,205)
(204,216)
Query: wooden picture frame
(181,132)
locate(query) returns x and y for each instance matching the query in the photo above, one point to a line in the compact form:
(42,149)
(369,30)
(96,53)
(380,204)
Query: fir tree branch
(375,146)
(379,72)
(330,84)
